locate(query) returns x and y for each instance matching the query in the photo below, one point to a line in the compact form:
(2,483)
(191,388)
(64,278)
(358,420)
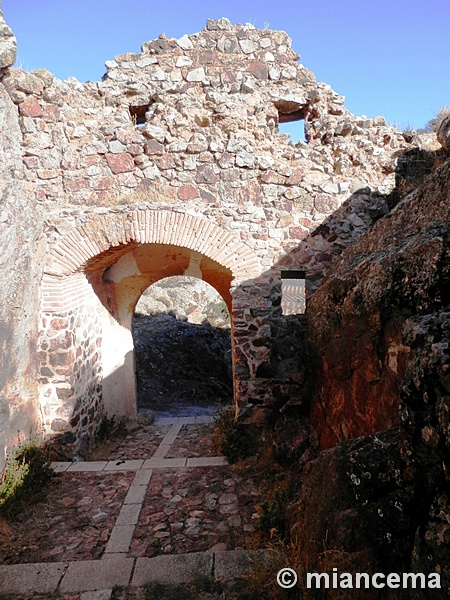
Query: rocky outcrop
(443,133)
(8,44)
(424,417)
(188,298)
(397,270)
(353,512)
(376,497)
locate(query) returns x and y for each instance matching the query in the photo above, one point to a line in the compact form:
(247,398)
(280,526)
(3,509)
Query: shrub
(24,478)
(235,440)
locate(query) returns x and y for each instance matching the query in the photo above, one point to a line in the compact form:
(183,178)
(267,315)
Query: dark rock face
(181,366)
(354,510)
(425,409)
(379,332)
(397,270)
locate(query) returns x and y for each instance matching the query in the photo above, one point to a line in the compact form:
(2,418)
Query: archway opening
(182,348)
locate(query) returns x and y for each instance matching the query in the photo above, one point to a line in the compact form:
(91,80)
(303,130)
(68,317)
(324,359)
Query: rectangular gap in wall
(138,114)
(293,292)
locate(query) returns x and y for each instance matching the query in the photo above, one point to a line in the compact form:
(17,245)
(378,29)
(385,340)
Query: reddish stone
(165,162)
(325,203)
(59,359)
(62,342)
(297,233)
(207,57)
(52,114)
(273,177)
(306,222)
(94,159)
(295,178)
(103,183)
(31,162)
(187,192)
(46,174)
(135,149)
(252,193)
(227,76)
(206,157)
(258,69)
(120,163)
(205,174)
(31,108)
(154,147)
(58,324)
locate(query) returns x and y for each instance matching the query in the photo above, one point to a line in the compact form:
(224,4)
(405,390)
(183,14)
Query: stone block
(37,578)
(172,569)
(92,575)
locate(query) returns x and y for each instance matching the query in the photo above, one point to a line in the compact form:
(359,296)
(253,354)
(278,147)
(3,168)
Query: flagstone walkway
(160,507)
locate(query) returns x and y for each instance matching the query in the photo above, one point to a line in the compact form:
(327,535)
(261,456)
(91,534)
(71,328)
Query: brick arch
(152,226)
(92,373)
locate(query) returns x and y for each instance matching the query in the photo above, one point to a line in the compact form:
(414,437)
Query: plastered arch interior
(94,278)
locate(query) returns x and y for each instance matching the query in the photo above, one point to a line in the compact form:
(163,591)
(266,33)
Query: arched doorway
(92,281)
(182,348)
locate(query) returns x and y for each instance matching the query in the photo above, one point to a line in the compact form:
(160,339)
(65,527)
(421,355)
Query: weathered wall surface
(20,227)
(173,165)
(190,127)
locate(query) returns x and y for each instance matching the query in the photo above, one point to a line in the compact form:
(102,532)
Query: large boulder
(8,44)
(397,270)
(443,132)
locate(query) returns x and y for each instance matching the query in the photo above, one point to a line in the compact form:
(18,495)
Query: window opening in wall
(138,114)
(291,118)
(295,129)
(182,348)
(293,292)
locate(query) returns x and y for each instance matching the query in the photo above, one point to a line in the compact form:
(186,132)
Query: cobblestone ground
(176,496)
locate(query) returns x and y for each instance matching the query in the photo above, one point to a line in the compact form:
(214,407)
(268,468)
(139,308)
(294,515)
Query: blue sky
(389,57)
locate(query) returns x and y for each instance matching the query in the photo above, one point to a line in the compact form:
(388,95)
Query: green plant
(24,478)
(235,440)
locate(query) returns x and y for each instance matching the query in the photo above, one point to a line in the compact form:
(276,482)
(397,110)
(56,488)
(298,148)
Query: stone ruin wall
(208,152)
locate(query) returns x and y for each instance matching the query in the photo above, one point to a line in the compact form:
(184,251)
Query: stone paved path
(161,507)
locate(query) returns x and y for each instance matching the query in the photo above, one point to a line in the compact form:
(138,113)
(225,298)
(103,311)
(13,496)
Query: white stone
(79,131)
(264,161)
(274,74)
(157,74)
(156,133)
(183,61)
(245,159)
(147,61)
(289,72)
(185,43)
(269,57)
(248,46)
(116,147)
(196,74)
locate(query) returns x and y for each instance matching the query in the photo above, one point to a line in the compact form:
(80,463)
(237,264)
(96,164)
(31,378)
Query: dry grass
(433,124)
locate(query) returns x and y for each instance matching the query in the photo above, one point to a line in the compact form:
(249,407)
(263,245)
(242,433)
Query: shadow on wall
(281,356)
